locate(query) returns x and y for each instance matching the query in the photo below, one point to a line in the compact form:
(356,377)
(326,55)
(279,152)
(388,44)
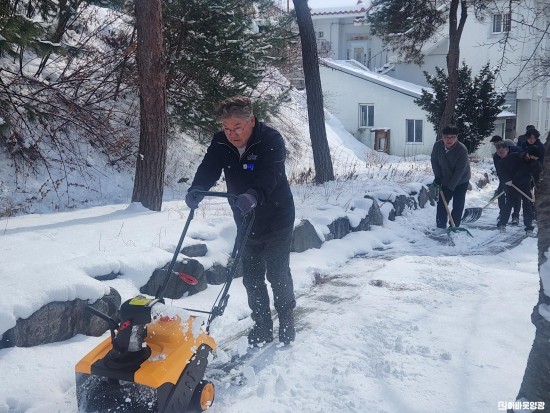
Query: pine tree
(477,106)
(213,53)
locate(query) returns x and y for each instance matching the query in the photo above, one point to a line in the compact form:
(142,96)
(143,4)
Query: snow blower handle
(113,325)
(231,197)
(162,289)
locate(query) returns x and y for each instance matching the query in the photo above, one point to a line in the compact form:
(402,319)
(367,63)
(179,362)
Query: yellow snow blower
(151,363)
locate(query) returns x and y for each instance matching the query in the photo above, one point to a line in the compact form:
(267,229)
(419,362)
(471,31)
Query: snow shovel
(473,214)
(453,227)
(510,183)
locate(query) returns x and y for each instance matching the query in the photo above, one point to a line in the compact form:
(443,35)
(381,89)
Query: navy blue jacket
(539,145)
(261,169)
(514,167)
(511,149)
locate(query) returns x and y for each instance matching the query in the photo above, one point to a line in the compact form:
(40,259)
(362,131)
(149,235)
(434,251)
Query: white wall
(338,32)
(342,95)
(479,46)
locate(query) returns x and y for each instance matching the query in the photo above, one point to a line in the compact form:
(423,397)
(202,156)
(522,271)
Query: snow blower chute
(153,364)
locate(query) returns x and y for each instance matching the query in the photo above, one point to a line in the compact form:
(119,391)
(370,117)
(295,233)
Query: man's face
(238,131)
(449,140)
(502,150)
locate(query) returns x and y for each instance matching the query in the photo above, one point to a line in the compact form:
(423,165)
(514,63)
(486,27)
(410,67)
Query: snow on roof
(354,68)
(506,114)
(359,9)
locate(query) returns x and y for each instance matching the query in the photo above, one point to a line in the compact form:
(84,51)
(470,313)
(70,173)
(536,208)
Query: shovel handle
(522,193)
(451,220)
(493,199)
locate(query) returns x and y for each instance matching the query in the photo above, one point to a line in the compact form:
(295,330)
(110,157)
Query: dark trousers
(458,196)
(268,257)
(502,202)
(513,197)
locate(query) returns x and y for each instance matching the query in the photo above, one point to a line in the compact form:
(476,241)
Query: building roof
(354,68)
(343,11)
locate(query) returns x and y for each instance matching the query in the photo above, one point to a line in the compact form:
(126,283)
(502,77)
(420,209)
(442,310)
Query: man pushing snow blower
(252,158)
(451,168)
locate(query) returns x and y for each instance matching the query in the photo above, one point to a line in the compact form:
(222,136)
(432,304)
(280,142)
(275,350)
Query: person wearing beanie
(523,138)
(518,171)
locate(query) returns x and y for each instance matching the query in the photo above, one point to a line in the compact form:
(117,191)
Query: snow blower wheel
(154,363)
(203,397)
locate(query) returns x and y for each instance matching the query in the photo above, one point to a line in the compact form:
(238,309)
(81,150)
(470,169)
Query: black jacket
(261,168)
(514,167)
(511,149)
(539,145)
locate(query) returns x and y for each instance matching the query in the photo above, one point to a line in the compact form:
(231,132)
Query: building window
(414,131)
(502,22)
(366,116)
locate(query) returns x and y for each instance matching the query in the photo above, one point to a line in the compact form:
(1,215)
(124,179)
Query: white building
(343,34)
(377,109)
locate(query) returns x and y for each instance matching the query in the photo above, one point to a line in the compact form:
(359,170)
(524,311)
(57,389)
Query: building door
(358,52)
(382,140)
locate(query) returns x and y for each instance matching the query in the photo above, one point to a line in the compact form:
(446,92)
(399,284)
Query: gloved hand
(246,202)
(437,184)
(193,198)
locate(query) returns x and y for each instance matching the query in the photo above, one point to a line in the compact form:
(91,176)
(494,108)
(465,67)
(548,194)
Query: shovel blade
(472,214)
(456,230)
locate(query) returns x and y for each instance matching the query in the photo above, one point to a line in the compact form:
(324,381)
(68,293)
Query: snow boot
(287,331)
(261,332)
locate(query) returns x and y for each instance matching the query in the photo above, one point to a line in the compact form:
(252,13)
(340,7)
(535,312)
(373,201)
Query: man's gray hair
(235,107)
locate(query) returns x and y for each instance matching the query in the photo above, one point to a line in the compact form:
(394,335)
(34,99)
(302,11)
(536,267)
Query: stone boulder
(177,286)
(338,228)
(425,197)
(197,250)
(61,320)
(217,274)
(305,237)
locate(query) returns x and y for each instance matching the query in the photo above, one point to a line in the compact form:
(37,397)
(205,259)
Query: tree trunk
(314,93)
(151,160)
(535,385)
(453,56)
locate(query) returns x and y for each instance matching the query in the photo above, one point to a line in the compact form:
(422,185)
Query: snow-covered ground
(389,320)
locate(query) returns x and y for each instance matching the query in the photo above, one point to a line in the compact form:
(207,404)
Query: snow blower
(151,363)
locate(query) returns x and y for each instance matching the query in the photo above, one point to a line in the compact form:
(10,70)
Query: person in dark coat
(503,148)
(252,158)
(523,138)
(532,139)
(519,170)
(451,168)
